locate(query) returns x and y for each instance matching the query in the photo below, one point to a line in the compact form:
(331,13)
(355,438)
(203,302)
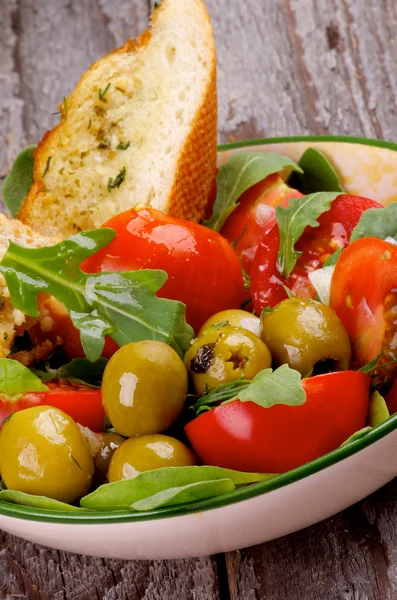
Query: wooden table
(286,67)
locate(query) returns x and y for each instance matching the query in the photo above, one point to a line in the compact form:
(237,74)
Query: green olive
(235,318)
(43,452)
(144,388)
(148,452)
(304,333)
(225,355)
(108,444)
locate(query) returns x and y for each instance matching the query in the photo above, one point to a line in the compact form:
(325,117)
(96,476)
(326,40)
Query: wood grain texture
(286,67)
(39,573)
(348,557)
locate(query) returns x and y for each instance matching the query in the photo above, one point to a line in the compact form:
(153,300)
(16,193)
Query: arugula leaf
(122,305)
(123,494)
(293,220)
(241,172)
(356,436)
(219,394)
(186,493)
(79,370)
(282,386)
(18,181)
(37,501)
(377,222)
(318,174)
(333,259)
(371,366)
(377,411)
(16,380)
(268,310)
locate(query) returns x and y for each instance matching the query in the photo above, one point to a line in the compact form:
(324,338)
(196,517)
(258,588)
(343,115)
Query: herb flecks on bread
(139,128)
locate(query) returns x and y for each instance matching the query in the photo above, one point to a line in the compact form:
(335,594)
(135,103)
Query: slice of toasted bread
(12,321)
(139,128)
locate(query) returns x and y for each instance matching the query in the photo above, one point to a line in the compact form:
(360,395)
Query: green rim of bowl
(245,493)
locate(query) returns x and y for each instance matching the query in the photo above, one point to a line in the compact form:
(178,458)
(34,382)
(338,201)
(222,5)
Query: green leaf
(241,172)
(377,222)
(356,436)
(293,220)
(333,259)
(18,181)
(378,411)
(37,501)
(371,366)
(268,310)
(16,380)
(122,305)
(282,386)
(318,174)
(220,393)
(186,493)
(289,293)
(123,494)
(79,370)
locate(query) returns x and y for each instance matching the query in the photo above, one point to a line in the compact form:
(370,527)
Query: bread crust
(196,164)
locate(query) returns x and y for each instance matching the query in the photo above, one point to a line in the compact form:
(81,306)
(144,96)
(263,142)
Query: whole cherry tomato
(203,270)
(83,404)
(255,215)
(316,244)
(364,296)
(247,437)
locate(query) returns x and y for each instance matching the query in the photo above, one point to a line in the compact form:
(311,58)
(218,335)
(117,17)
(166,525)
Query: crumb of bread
(12,319)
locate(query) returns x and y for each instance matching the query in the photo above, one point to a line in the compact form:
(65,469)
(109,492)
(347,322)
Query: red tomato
(317,244)
(203,270)
(81,403)
(255,215)
(391,399)
(364,296)
(244,436)
(64,329)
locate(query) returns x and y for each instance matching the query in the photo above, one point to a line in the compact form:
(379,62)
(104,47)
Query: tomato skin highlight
(255,215)
(317,244)
(363,294)
(81,403)
(247,437)
(203,270)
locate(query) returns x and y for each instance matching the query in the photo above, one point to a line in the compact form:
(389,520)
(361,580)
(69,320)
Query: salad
(194,359)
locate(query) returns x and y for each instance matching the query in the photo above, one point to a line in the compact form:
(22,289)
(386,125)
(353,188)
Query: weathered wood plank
(351,556)
(39,573)
(11,104)
(293,67)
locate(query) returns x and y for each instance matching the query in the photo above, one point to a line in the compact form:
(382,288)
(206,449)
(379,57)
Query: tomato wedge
(83,404)
(247,437)
(364,296)
(255,215)
(203,270)
(317,244)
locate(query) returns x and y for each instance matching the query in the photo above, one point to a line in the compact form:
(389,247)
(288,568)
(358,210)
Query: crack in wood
(354,50)
(310,94)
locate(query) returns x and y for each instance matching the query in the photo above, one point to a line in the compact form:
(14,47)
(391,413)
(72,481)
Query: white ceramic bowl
(262,511)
